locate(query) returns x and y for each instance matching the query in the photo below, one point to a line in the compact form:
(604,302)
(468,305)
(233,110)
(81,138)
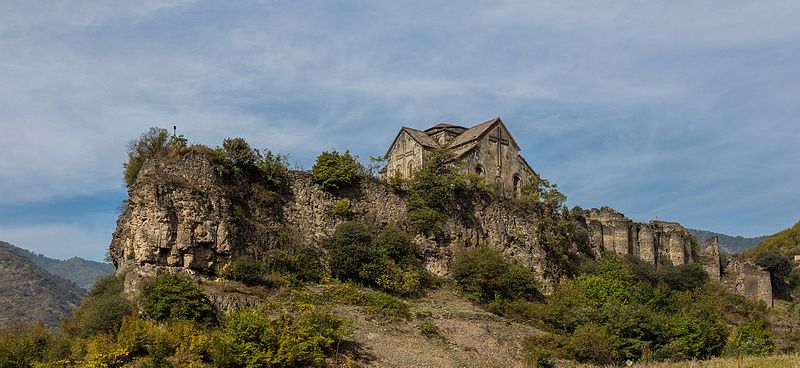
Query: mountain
(29,293)
(729,244)
(78,270)
(786,241)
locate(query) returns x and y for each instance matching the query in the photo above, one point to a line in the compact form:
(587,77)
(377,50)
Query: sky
(685,111)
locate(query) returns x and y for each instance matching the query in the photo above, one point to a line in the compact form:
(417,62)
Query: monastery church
(487,149)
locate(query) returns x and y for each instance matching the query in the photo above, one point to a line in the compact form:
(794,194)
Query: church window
(398,171)
(410,168)
(517,181)
(479,170)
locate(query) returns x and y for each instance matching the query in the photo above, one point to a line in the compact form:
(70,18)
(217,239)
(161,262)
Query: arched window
(479,170)
(517,185)
(398,171)
(498,182)
(410,168)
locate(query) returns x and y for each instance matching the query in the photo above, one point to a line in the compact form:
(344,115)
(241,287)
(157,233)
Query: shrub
(303,263)
(778,265)
(101,311)
(593,344)
(377,304)
(435,190)
(485,274)
(685,277)
(349,250)
(397,245)
(238,152)
(245,269)
(275,169)
(342,207)
(147,146)
(333,170)
(170,297)
(430,331)
(22,344)
(302,337)
(753,338)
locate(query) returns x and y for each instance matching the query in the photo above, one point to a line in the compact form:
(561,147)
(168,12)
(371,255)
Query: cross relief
(499,141)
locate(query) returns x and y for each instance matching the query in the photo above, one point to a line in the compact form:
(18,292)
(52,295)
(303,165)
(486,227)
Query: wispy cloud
(685,110)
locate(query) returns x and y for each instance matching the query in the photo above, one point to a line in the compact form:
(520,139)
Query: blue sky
(683,110)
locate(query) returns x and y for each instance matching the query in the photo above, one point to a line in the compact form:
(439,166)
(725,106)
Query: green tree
(171,297)
(238,152)
(333,170)
(350,250)
(753,338)
(485,274)
(101,311)
(245,269)
(147,146)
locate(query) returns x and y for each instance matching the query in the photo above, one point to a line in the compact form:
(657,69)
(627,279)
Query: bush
(238,152)
(147,146)
(302,337)
(430,331)
(398,247)
(686,277)
(303,263)
(342,207)
(750,339)
(275,169)
(376,303)
(22,344)
(333,170)
(170,297)
(101,311)
(485,274)
(349,250)
(593,344)
(435,190)
(245,269)
(778,265)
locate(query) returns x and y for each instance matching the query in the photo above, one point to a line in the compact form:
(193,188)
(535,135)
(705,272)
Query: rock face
(652,242)
(190,215)
(659,241)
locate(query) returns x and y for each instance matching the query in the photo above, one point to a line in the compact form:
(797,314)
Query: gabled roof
(474,133)
(417,135)
(421,138)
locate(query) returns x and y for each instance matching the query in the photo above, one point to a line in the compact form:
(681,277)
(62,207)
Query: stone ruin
(659,241)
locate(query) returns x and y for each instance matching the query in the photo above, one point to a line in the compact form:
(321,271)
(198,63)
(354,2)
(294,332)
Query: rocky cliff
(192,214)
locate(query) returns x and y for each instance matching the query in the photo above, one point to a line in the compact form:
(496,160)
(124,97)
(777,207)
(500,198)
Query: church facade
(486,149)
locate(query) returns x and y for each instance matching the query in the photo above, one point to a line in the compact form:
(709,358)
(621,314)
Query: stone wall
(657,240)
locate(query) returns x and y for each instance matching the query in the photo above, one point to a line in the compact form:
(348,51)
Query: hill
(78,270)
(786,241)
(29,293)
(729,244)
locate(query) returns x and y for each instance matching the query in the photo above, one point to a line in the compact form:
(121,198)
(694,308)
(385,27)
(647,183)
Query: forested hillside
(29,293)
(78,270)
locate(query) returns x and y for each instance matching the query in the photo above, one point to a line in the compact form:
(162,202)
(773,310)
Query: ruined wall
(190,215)
(748,279)
(612,231)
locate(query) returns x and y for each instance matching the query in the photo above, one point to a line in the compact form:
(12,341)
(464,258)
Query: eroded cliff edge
(191,214)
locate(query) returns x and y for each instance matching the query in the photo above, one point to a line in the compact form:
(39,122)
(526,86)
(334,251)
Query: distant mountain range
(730,244)
(78,270)
(29,293)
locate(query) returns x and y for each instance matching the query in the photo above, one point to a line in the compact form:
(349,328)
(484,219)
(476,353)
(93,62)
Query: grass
(774,361)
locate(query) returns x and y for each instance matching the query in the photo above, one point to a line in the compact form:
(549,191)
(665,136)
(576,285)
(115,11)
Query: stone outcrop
(192,215)
(659,241)
(652,242)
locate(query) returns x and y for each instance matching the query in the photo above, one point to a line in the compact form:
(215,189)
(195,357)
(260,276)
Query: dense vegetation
(787,242)
(29,293)
(604,311)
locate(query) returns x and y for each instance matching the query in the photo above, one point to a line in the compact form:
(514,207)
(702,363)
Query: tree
(333,170)
(139,150)
(777,264)
(170,297)
(238,152)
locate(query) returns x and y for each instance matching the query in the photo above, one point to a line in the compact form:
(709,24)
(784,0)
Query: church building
(487,149)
